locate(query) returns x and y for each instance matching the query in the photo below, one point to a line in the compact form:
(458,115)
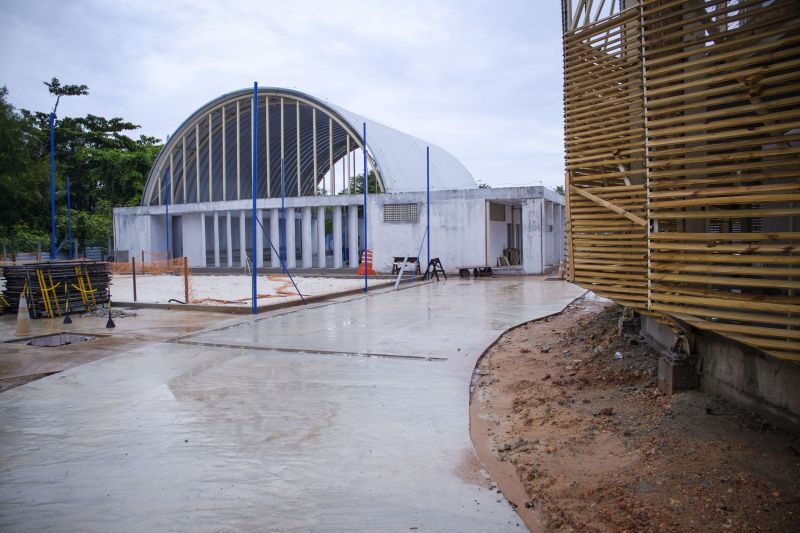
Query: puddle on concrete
(60,339)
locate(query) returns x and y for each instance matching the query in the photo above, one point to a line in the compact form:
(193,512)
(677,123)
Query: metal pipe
(254,143)
(166,200)
(428,197)
(52,187)
(366,288)
(133,273)
(69,221)
(283,213)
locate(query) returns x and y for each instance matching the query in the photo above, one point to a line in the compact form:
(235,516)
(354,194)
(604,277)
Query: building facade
(310,162)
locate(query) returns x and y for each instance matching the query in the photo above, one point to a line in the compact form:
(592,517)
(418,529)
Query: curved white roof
(401,158)
(216,171)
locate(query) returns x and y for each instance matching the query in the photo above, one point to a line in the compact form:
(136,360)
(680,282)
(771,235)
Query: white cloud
(481,79)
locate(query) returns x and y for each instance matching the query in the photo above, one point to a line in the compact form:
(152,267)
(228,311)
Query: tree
(55,87)
(560,190)
(482,185)
(356,185)
(24,213)
(107,168)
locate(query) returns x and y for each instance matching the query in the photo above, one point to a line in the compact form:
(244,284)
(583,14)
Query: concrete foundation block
(675,375)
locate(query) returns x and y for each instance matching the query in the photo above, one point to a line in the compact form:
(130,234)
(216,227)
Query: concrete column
(259,239)
(563,249)
(229,240)
(532,235)
(337,236)
(352,235)
(321,237)
(547,233)
(291,257)
(308,249)
(558,225)
(275,235)
(216,240)
(202,238)
(243,238)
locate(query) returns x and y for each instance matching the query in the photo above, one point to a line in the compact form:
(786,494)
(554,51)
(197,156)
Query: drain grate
(59,339)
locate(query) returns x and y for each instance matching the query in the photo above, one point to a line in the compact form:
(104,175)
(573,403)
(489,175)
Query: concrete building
(309,195)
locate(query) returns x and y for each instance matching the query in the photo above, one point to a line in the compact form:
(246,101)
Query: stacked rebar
(54,288)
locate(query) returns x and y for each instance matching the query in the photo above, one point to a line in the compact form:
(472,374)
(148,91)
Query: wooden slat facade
(682,140)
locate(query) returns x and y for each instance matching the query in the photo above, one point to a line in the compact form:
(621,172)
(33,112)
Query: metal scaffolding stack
(57,287)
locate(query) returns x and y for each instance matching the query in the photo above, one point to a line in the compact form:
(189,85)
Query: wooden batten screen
(723,139)
(605,159)
(721,180)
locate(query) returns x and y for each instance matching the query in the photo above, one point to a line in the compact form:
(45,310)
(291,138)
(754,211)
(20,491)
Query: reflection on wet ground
(348,416)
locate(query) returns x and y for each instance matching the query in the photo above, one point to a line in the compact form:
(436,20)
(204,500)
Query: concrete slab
(346,416)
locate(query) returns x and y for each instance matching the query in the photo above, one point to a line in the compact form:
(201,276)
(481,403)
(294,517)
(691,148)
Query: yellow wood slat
(725,303)
(745,199)
(716,191)
(744,236)
(723,269)
(727,213)
(705,312)
(740,248)
(723,280)
(716,53)
(728,258)
(737,65)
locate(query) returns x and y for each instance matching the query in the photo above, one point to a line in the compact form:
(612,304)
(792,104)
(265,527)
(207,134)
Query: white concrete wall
(458,226)
(533,236)
(140,233)
(194,246)
(458,232)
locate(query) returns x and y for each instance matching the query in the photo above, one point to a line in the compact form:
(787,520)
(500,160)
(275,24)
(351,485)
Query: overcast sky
(481,79)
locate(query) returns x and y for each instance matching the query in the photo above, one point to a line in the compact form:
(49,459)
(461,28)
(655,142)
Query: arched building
(309,153)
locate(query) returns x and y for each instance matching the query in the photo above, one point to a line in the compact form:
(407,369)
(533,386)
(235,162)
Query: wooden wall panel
(723,167)
(605,159)
(682,147)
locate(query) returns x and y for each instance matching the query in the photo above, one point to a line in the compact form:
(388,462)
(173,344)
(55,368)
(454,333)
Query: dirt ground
(581,440)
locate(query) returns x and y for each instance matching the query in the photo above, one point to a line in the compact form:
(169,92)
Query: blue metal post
(365,209)
(283,215)
(69,222)
(428,197)
(166,203)
(254,182)
(52,187)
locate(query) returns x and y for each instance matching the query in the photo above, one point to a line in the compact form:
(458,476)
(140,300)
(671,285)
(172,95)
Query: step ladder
(434,268)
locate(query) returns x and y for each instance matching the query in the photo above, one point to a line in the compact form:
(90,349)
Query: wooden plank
(630,216)
(705,312)
(723,280)
(744,236)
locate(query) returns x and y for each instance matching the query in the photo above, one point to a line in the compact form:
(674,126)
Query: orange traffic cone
(366,259)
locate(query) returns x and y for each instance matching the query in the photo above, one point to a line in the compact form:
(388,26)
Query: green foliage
(560,190)
(356,184)
(107,168)
(484,186)
(55,87)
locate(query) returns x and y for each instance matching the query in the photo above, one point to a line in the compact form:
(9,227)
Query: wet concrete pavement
(345,416)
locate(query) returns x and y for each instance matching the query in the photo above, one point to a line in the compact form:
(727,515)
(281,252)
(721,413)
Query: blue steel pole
(365,209)
(283,215)
(166,202)
(69,222)
(254,182)
(428,199)
(52,187)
